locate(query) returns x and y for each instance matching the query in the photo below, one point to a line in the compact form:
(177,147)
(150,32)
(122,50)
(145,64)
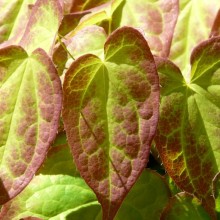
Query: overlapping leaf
(147,198)
(216,26)
(90,39)
(30,100)
(14,18)
(156,18)
(188,132)
(81,5)
(193,26)
(184,206)
(101,15)
(110,115)
(42,27)
(53,193)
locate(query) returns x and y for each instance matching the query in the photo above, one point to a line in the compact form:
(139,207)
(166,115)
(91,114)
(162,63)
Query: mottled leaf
(55,192)
(110,115)
(188,132)
(193,26)
(43,25)
(14,18)
(184,206)
(30,100)
(156,18)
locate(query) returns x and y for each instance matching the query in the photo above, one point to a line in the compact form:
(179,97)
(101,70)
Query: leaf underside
(110,115)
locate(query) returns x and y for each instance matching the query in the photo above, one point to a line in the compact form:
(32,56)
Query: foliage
(109,109)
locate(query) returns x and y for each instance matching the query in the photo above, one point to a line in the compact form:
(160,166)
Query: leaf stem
(64,46)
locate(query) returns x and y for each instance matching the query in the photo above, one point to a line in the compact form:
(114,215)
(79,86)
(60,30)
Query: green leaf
(193,26)
(14,18)
(81,5)
(147,198)
(188,132)
(101,15)
(216,193)
(41,32)
(110,115)
(184,206)
(70,21)
(30,100)
(55,192)
(156,18)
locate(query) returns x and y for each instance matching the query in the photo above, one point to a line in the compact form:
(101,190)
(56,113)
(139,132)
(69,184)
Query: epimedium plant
(116,83)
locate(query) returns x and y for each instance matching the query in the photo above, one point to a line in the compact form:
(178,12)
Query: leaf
(70,21)
(147,198)
(82,5)
(55,192)
(14,18)
(101,15)
(216,191)
(41,32)
(30,100)
(110,115)
(156,18)
(216,26)
(193,26)
(184,206)
(188,133)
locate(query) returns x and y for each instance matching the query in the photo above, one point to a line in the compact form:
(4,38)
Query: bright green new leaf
(42,27)
(188,132)
(110,115)
(184,206)
(14,15)
(30,105)
(193,26)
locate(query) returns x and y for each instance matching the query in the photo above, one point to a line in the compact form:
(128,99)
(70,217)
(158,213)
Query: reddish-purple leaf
(30,100)
(110,115)
(216,26)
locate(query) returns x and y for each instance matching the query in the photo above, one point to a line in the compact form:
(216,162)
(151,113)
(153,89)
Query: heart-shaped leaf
(30,100)
(110,115)
(188,132)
